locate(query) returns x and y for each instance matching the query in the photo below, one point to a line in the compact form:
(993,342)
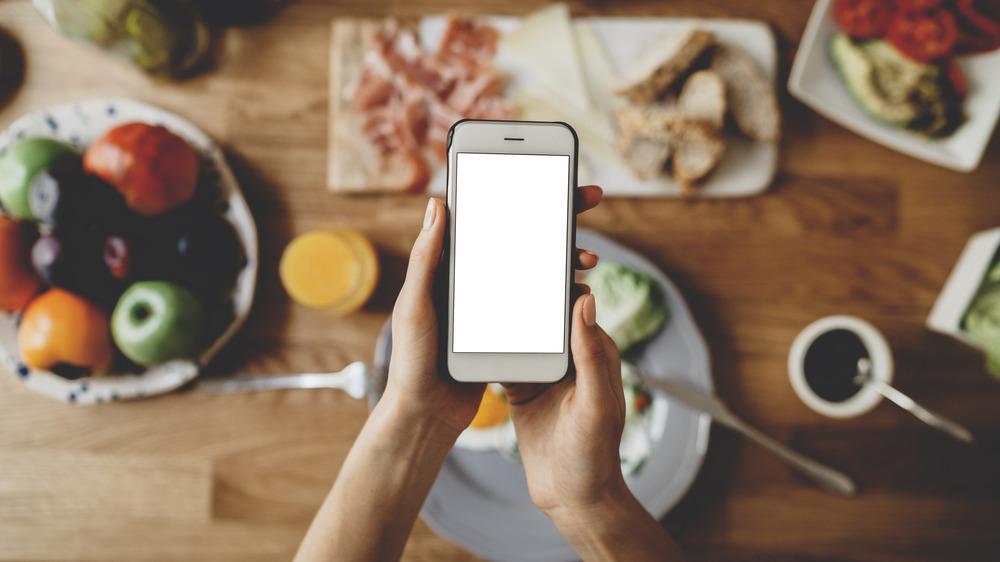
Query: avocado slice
(884,99)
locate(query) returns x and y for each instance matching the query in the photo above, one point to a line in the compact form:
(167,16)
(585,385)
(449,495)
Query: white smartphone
(509,250)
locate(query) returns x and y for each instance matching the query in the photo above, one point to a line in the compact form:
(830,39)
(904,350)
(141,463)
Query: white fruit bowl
(79,124)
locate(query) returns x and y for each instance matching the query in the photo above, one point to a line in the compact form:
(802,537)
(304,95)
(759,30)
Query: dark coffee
(831,364)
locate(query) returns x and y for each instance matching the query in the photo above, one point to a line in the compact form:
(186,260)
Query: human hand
(569,432)
(414,379)
(415,383)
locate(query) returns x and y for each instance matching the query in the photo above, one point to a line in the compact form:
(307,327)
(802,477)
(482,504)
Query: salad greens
(982,319)
(631,305)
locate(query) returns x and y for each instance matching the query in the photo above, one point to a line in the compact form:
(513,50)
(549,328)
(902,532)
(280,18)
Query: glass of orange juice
(333,269)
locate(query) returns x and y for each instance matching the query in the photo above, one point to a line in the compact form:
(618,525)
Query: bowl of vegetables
(918,76)
(968,307)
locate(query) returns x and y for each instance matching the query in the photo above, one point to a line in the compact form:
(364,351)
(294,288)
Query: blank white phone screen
(510,252)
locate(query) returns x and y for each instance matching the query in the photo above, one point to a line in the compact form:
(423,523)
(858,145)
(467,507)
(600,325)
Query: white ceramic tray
(817,83)
(746,169)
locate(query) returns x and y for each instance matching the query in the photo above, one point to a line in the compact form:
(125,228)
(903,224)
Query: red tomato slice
(923,36)
(862,18)
(978,27)
(917,5)
(980,21)
(956,77)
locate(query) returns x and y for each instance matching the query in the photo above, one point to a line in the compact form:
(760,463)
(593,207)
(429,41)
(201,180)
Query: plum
(118,256)
(62,196)
(209,253)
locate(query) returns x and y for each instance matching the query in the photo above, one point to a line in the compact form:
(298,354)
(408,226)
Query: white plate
(79,124)
(480,499)
(747,168)
(817,83)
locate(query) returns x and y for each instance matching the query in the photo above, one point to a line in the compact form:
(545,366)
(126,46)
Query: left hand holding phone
(415,384)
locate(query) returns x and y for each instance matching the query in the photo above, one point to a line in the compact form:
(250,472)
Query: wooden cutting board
(355,165)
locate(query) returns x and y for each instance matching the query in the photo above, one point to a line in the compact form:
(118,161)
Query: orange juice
(334,269)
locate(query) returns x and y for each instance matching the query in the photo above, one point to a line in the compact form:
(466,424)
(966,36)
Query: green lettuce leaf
(631,305)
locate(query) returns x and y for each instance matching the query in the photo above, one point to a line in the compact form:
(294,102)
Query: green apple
(157,321)
(19,165)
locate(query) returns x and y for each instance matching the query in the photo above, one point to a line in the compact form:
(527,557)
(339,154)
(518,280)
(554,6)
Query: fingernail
(429,215)
(589,311)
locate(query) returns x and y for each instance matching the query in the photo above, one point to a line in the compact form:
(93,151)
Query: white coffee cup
(878,351)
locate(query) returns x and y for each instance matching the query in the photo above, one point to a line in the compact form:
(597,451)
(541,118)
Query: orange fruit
(62,327)
(18,282)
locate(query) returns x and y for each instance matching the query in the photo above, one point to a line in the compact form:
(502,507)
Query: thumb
(426,253)
(594,354)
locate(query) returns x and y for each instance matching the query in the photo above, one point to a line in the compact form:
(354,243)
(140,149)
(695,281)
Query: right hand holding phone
(569,432)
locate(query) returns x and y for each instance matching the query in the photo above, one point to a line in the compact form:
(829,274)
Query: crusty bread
(689,129)
(698,151)
(703,97)
(751,98)
(645,157)
(654,121)
(657,68)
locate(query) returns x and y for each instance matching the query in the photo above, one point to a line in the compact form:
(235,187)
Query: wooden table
(848,227)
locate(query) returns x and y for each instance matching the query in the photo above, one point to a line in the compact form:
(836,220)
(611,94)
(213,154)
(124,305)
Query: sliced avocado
(897,75)
(860,72)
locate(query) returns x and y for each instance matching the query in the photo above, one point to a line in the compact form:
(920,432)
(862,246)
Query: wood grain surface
(848,227)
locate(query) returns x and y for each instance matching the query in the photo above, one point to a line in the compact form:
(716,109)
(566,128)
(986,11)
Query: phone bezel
(497,137)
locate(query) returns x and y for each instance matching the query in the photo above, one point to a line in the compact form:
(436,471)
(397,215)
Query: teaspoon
(864,378)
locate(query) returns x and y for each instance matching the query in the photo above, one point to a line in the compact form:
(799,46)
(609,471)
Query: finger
(614,369)
(587,197)
(590,354)
(585,259)
(426,253)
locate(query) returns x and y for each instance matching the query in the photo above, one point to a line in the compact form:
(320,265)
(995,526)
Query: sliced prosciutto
(410,97)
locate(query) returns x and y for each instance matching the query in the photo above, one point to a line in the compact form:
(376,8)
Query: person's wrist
(582,515)
(614,527)
(423,420)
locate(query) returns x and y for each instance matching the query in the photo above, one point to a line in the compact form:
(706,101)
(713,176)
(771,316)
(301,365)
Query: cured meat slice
(409,98)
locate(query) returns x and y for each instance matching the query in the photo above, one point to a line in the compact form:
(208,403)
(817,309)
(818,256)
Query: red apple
(154,169)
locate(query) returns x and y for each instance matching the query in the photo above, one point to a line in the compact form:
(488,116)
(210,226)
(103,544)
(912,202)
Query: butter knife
(827,478)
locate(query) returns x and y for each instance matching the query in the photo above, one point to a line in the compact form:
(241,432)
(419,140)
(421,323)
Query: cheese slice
(592,126)
(544,46)
(598,69)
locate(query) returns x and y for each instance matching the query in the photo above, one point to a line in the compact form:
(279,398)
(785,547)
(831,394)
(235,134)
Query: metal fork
(355,379)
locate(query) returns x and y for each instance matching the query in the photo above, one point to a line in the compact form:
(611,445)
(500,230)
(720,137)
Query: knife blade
(827,478)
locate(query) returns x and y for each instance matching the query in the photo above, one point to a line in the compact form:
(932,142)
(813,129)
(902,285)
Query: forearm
(377,496)
(617,528)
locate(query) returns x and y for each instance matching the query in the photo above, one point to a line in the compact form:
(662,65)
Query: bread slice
(751,98)
(645,157)
(703,98)
(698,151)
(657,68)
(653,121)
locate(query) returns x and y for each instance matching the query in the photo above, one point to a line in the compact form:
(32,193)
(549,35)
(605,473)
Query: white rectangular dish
(746,169)
(816,82)
(962,285)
